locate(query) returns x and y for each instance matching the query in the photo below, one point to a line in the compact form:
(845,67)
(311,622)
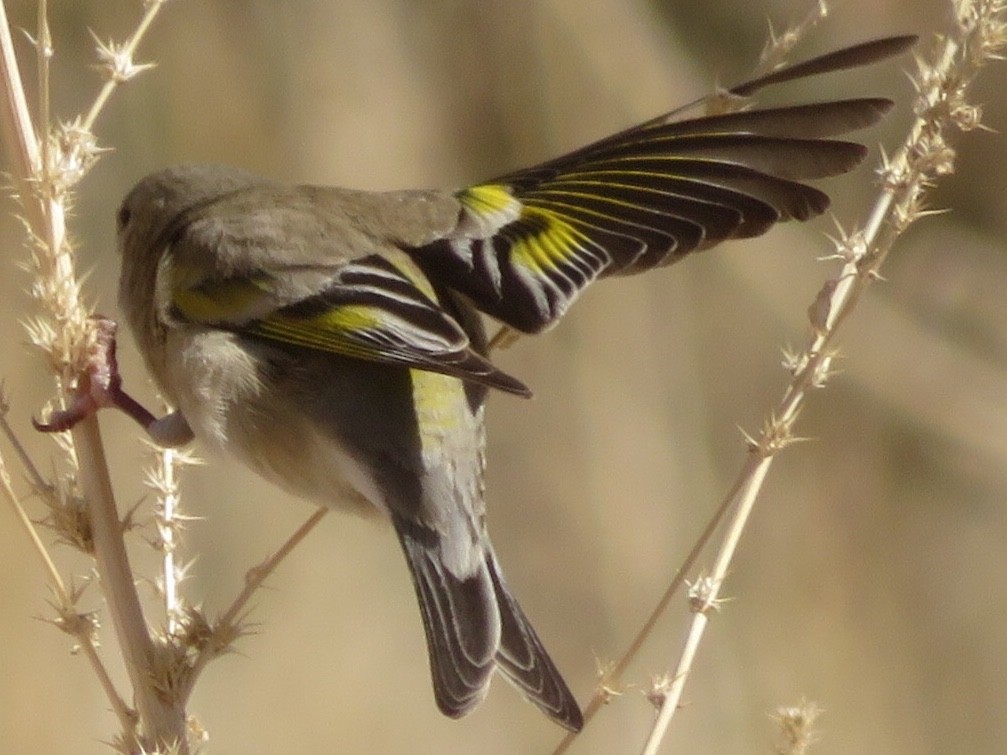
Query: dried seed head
(115,60)
(658,691)
(795,725)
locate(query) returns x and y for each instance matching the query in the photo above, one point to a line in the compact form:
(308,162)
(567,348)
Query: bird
(333,340)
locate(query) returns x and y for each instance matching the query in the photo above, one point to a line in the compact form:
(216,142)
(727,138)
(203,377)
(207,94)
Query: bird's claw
(99,386)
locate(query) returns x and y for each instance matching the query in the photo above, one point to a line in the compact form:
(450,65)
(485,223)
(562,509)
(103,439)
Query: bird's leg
(503,338)
(100,386)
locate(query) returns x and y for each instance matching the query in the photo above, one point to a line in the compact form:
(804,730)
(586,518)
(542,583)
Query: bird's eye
(123,217)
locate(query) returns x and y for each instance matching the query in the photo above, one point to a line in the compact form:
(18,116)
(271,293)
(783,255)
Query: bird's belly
(309,466)
(218,385)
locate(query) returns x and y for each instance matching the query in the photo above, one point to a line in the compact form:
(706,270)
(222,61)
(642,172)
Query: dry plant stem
(779,46)
(37,481)
(253,581)
(15,110)
(162,718)
(162,721)
(58,586)
(42,177)
(66,603)
(923,157)
(66,607)
(126,53)
(258,575)
(613,675)
(773,56)
(750,480)
(167,521)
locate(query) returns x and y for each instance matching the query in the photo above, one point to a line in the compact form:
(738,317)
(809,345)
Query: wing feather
(530,241)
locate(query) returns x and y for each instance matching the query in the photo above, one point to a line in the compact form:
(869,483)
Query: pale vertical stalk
(162,718)
(925,155)
(80,626)
(704,599)
(162,669)
(43,193)
(167,528)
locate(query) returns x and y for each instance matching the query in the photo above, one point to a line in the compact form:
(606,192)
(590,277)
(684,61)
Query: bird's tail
(525,662)
(473,625)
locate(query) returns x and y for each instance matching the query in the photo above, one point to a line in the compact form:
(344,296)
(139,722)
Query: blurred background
(872,578)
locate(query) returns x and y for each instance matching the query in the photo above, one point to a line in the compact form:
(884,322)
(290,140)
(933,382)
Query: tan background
(872,579)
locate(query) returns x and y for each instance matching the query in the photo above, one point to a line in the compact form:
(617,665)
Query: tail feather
(474,625)
(525,662)
(462,627)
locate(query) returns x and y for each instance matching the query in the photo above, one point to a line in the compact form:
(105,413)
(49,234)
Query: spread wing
(530,241)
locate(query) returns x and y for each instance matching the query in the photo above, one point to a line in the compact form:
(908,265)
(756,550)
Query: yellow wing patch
(229,300)
(549,244)
(541,241)
(490,207)
(336,330)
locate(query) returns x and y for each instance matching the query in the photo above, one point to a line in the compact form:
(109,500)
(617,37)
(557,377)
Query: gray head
(148,218)
(159,199)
